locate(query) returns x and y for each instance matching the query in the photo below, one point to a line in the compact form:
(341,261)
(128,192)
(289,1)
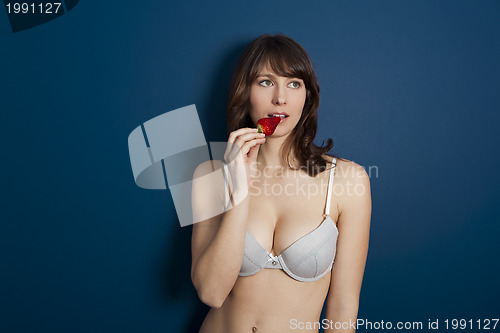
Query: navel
(254,329)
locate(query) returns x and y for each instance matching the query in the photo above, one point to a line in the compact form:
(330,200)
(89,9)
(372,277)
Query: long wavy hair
(287,58)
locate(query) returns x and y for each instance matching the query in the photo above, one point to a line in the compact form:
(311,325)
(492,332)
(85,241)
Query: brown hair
(287,58)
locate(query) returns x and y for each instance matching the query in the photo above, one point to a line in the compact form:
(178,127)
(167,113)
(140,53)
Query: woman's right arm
(218,242)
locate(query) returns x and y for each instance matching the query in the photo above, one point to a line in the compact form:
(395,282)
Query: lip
(280,113)
(283,119)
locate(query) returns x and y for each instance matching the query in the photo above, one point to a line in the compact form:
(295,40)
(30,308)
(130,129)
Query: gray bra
(307,259)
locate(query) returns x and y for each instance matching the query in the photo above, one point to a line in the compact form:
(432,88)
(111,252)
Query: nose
(279,97)
(280,101)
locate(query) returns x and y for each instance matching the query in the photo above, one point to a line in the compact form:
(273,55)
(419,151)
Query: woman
(265,263)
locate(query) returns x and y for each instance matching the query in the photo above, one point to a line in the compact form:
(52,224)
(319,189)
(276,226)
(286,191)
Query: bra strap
(330,184)
(227,199)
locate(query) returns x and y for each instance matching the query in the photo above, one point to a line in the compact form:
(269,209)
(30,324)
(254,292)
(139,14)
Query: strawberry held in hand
(268,125)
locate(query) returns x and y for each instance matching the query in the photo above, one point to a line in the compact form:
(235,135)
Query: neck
(269,153)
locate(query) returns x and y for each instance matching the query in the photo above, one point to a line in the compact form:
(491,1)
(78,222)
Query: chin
(278,134)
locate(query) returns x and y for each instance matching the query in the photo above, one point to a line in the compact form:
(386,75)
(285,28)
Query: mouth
(282,115)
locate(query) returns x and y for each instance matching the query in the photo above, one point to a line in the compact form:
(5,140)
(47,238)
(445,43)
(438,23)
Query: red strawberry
(268,125)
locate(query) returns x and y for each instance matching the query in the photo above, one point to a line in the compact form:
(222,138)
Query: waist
(219,321)
(269,301)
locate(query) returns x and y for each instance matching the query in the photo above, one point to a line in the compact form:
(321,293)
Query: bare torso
(270,300)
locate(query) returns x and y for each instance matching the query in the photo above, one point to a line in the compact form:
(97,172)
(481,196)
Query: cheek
(299,100)
(257,98)
(259,102)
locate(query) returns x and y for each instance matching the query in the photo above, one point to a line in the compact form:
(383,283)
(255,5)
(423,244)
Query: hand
(241,152)
(245,141)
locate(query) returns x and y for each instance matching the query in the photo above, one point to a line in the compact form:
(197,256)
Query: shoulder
(348,170)
(351,182)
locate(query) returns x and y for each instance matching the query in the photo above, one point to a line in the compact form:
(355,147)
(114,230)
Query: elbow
(211,296)
(211,299)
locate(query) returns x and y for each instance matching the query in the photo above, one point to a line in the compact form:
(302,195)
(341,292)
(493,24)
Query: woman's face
(271,95)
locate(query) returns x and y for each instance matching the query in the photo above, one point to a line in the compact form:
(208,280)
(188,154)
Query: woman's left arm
(352,248)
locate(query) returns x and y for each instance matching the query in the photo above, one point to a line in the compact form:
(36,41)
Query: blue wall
(408,87)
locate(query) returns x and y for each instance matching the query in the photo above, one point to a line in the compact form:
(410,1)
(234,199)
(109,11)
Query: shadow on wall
(212,111)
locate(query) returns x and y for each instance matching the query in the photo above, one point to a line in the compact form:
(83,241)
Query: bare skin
(278,213)
(269,299)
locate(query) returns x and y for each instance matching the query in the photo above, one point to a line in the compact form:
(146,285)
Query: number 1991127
(31,8)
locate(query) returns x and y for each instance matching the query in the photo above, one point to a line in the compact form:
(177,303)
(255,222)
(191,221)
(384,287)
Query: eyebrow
(273,76)
(269,75)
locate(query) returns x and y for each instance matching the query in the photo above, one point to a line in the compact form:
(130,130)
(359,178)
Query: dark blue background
(411,87)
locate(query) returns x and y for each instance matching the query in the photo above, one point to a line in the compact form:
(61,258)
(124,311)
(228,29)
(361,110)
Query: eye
(294,84)
(266,83)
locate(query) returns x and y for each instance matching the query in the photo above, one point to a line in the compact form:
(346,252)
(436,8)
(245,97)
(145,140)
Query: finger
(240,141)
(233,135)
(233,149)
(252,143)
(252,153)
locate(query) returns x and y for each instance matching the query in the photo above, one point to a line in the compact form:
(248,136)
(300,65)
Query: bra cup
(248,267)
(307,261)
(307,268)
(326,254)
(255,257)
